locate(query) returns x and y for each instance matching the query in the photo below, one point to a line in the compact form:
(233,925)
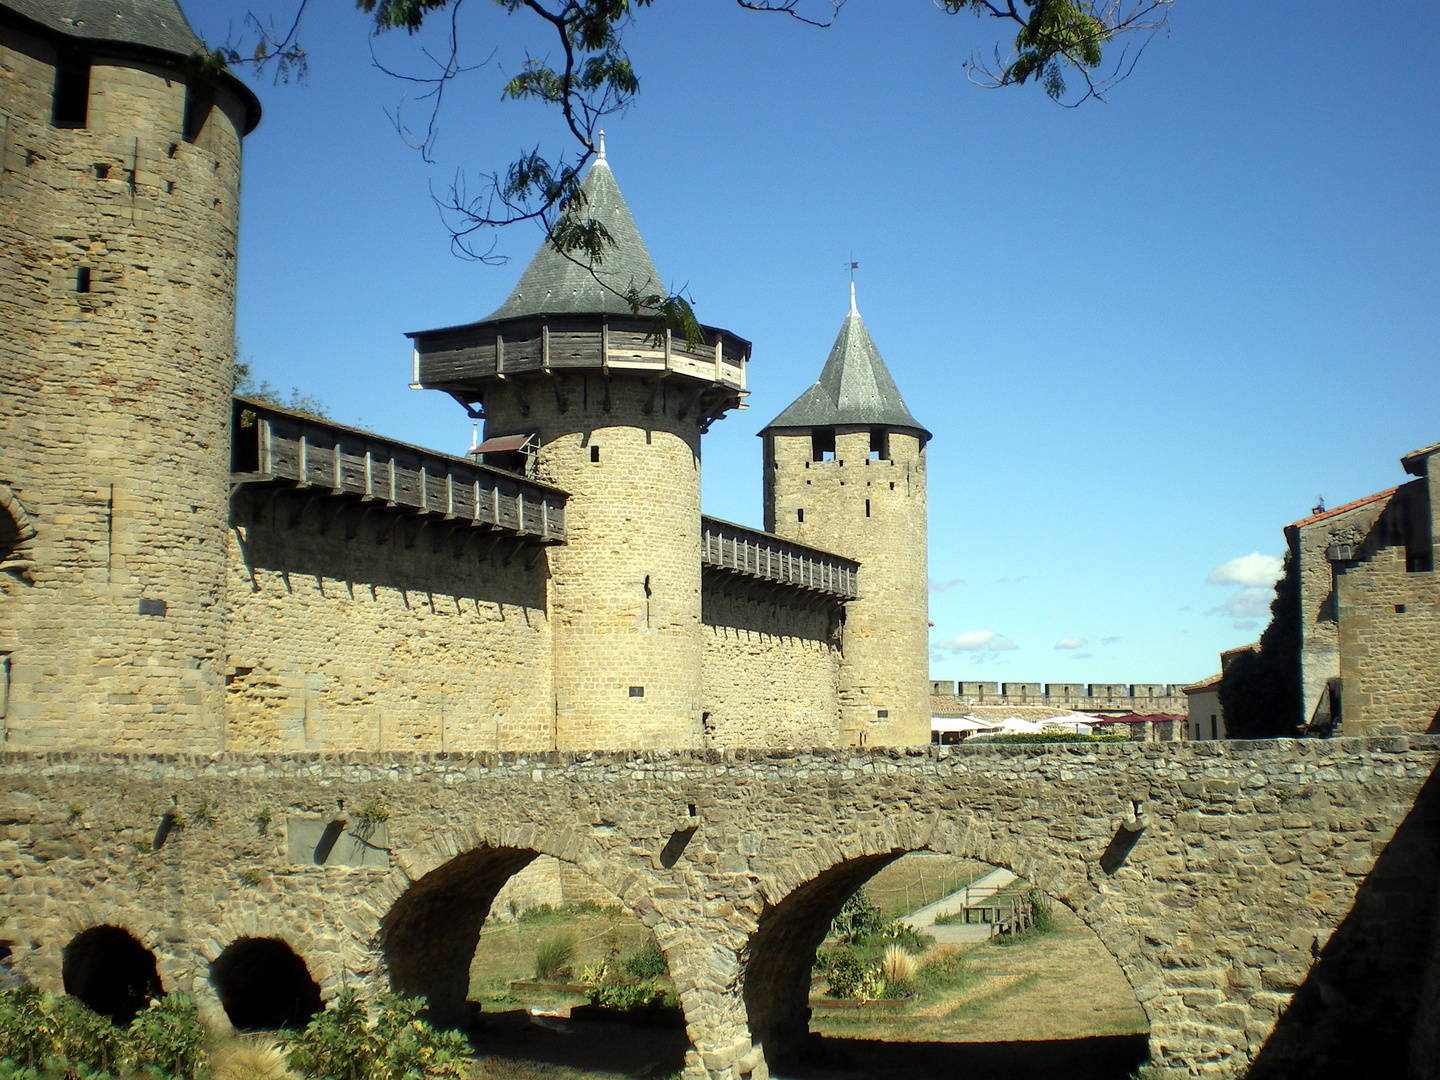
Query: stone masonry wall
(114,419)
(1389,645)
(1244,863)
(625,587)
(873,511)
(342,637)
(770,672)
(1320,643)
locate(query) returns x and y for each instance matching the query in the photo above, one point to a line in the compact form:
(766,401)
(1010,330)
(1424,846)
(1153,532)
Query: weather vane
(853,267)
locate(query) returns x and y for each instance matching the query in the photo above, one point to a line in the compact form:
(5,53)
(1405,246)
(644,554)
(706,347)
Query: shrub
(858,918)
(843,970)
(626,995)
(553,957)
(343,1043)
(29,1027)
(88,1039)
(169,1037)
(647,962)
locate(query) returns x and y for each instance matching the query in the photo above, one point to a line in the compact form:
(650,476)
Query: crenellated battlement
(955,697)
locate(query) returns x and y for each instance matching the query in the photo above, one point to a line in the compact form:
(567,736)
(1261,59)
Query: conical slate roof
(154,24)
(855,387)
(554,284)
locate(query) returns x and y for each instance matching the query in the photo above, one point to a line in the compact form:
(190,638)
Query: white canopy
(958,723)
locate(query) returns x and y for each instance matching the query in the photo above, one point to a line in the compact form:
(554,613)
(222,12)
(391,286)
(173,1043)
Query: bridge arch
(801,901)
(429,935)
(108,969)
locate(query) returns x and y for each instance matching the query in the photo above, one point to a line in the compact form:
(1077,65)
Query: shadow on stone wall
(1355,1013)
(346,542)
(1102,1057)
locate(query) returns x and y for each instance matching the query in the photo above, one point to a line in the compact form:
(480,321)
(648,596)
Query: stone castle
(189,571)
(286,704)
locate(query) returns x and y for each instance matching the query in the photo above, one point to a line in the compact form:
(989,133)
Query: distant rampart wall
(1082,697)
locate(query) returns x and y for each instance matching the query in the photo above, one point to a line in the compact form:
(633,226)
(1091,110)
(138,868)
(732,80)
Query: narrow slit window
(595,453)
(70,101)
(82,279)
(867,507)
(800,515)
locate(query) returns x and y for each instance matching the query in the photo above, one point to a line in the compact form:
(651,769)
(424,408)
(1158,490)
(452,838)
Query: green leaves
(344,1043)
(39,1031)
(1059,34)
(400,14)
(169,1037)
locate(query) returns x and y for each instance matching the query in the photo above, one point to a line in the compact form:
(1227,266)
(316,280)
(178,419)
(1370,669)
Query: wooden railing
(277,445)
(766,557)
(558,343)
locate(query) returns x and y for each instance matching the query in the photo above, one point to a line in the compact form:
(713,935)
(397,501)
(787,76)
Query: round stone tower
(845,472)
(578,391)
(119,192)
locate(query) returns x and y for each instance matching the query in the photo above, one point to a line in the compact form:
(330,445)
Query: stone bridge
(1269,903)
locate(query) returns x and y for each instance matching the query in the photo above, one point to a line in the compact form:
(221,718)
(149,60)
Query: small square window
(882,714)
(1399,609)
(637,691)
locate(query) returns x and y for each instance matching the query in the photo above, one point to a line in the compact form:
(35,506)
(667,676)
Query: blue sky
(1146,334)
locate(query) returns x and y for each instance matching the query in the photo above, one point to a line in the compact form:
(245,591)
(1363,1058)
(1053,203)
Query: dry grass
(250,1059)
(898,966)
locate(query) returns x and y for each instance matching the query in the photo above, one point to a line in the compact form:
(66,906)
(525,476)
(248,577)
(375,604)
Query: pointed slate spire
(553,284)
(855,387)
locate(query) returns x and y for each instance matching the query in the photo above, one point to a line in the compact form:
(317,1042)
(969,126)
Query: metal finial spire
(600,152)
(853,267)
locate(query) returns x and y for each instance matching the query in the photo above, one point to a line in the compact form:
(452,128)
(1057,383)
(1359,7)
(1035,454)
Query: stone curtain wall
(770,672)
(1389,657)
(1254,858)
(114,418)
(350,632)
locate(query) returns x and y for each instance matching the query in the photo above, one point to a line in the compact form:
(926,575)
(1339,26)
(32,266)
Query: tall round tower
(845,471)
(119,192)
(579,392)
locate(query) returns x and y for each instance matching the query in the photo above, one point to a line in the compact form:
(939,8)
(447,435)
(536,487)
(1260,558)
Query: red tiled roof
(1342,509)
(1205,684)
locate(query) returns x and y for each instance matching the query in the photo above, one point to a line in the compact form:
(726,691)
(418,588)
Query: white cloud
(1247,604)
(1253,571)
(1071,643)
(941,586)
(975,641)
